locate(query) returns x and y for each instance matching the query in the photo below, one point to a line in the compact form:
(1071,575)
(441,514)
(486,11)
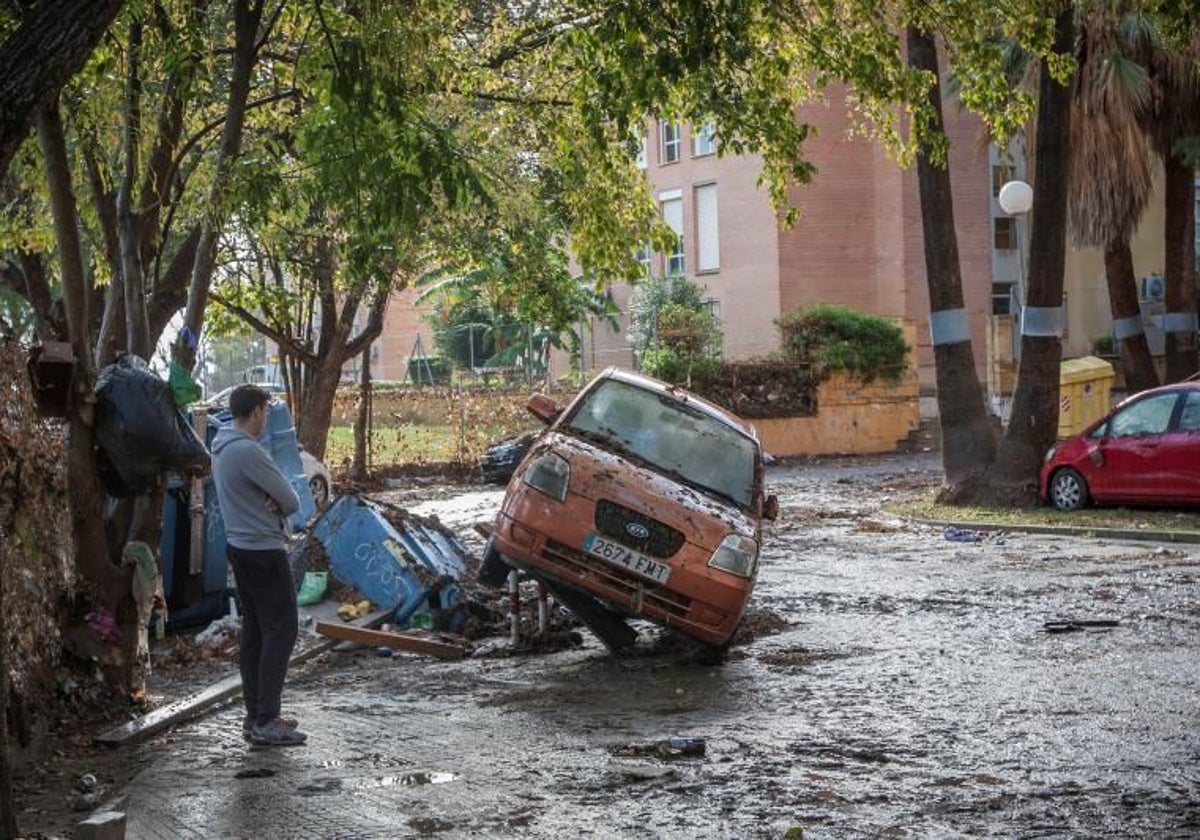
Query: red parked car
(1144,451)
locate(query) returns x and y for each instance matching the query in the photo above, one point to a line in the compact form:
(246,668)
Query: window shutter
(708,243)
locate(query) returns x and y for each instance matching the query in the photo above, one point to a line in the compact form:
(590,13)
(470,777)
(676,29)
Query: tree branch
(49,47)
(260,326)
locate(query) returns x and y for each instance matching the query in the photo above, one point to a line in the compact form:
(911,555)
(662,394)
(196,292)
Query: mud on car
(640,499)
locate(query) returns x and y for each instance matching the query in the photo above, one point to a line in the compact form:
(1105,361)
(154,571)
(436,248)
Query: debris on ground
(1077,625)
(415,641)
(349,612)
(401,562)
(220,634)
(676,746)
(962,535)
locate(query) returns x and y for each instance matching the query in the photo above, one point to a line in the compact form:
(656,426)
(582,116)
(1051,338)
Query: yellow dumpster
(1084,393)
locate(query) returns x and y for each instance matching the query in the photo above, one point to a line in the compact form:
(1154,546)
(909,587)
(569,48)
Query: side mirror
(770,508)
(543,408)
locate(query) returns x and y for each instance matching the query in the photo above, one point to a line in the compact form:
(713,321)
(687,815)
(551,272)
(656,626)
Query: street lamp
(1016,199)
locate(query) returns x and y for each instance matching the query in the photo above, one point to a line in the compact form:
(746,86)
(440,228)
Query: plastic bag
(312,590)
(140,430)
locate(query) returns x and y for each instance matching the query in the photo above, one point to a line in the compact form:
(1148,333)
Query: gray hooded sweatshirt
(245,476)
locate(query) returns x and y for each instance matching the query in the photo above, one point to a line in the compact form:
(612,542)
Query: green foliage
(837,338)
(651,298)
(432,370)
(1104,346)
(682,338)
(669,365)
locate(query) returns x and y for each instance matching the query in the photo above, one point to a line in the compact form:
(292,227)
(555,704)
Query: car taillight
(737,555)
(550,474)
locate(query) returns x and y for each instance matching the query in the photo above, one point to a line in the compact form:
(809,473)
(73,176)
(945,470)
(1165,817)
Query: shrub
(679,368)
(1104,346)
(836,338)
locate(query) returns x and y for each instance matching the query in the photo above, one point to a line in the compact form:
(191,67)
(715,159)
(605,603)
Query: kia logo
(637,530)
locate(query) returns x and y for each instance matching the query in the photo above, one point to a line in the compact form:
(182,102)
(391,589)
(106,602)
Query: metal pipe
(514,607)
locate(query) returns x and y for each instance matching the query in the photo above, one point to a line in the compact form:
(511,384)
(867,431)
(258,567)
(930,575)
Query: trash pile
(403,582)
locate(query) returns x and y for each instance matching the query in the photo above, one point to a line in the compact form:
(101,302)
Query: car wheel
(1068,490)
(320,490)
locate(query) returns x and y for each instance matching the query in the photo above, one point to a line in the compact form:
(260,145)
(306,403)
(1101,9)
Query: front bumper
(703,603)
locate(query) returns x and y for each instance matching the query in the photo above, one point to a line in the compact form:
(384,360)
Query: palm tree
(968,443)
(1172,125)
(1111,166)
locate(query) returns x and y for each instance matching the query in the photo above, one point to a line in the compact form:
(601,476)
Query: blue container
(415,568)
(194,599)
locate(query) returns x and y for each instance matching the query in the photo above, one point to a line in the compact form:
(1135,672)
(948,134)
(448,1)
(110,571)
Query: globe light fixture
(1016,198)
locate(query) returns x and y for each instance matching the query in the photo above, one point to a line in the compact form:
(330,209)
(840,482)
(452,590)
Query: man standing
(255,501)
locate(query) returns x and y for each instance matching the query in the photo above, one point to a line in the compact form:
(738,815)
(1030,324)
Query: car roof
(649,383)
(1174,387)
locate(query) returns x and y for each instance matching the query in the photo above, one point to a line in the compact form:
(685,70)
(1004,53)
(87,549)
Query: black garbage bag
(140,431)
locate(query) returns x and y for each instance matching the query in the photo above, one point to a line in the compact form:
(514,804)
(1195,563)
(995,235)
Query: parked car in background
(1144,451)
(319,481)
(220,400)
(318,477)
(640,499)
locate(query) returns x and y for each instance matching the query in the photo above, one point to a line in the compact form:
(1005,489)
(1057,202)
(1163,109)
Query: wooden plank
(217,694)
(413,642)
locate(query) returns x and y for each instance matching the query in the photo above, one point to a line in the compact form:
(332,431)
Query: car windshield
(671,436)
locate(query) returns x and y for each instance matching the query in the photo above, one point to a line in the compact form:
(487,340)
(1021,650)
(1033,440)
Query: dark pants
(269,627)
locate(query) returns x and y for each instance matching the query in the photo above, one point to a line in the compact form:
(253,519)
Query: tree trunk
(8,810)
(247,17)
(137,330)
(1179,272)
(362,420)
(1136,363)
(109,583)
(968,444)
(316,409)
(53,41)
(1033,425)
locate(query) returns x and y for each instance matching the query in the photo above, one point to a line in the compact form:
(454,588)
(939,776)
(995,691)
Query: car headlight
(736,554)
(550,474)
(1050,453)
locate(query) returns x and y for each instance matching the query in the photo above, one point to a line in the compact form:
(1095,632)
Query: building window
(1002,298)
(672,211)
(704,140)
(642,255)
(669,141)
(1001,175)
(1004,233)
(708,244)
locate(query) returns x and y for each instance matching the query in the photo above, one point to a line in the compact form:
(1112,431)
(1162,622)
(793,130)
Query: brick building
(858,242)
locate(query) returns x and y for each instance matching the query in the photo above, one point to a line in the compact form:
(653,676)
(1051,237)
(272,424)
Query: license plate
(619,555)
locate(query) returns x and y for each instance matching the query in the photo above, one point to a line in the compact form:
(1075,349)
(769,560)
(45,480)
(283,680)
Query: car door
(1132,462)
(1179,451)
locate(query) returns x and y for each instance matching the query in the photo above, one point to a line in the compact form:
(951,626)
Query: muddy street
(891,682)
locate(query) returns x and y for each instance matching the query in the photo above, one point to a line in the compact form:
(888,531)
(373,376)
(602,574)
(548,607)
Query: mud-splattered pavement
(912,692)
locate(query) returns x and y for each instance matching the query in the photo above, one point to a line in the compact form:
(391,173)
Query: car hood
(600,473)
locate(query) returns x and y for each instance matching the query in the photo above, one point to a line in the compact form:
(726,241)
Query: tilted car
(1144,451)
(640,499)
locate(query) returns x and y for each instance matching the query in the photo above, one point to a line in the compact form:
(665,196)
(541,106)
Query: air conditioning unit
(1153,288)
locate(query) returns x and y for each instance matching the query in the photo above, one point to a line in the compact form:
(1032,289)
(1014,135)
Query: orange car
(640,499)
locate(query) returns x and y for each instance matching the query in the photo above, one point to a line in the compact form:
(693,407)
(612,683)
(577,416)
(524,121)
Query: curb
(1071,531)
